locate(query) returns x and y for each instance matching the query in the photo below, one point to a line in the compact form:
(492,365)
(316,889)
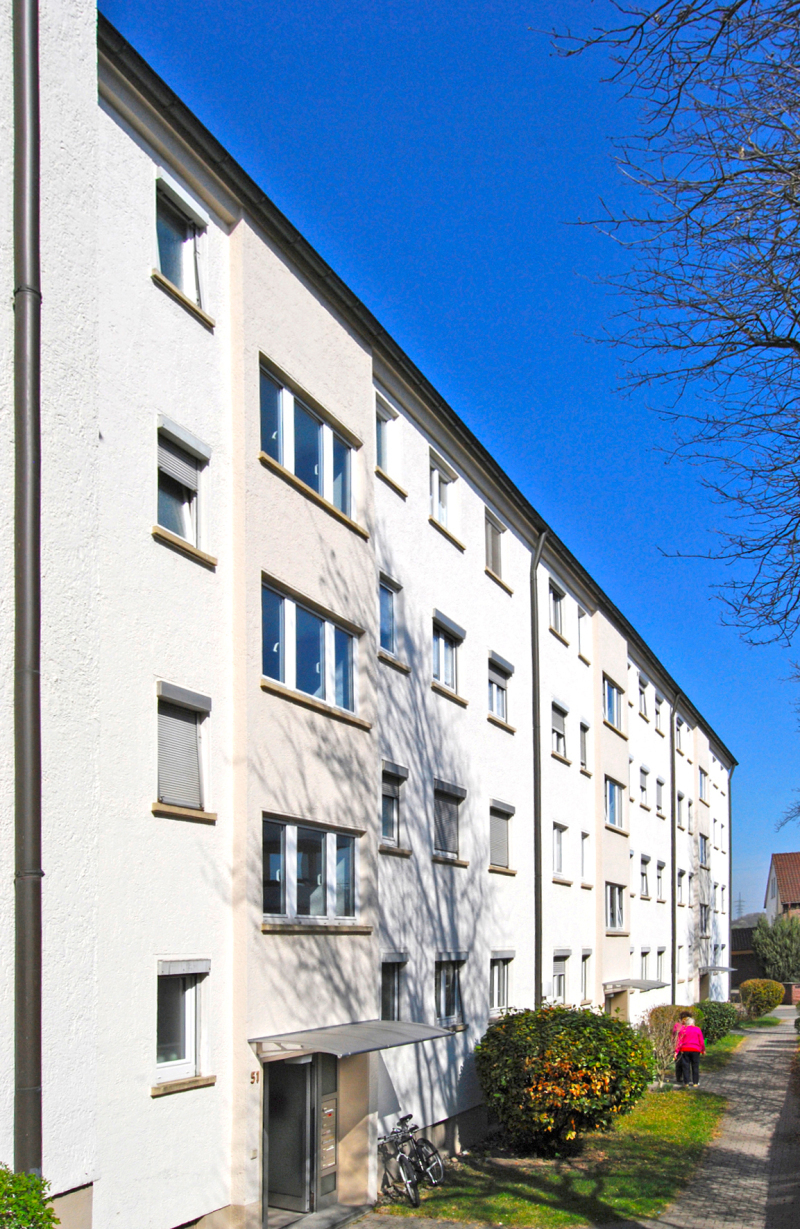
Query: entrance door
(290,1135)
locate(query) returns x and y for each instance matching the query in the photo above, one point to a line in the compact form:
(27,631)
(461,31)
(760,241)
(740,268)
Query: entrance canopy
(716,968)
(632,983)
(342,1040)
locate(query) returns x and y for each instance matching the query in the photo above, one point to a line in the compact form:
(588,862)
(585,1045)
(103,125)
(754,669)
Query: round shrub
(759,995)
(659,1027)
(550,1074)
(23,1201)
(719,1019)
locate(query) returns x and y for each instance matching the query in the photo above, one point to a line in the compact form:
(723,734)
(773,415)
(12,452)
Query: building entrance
(301,1115)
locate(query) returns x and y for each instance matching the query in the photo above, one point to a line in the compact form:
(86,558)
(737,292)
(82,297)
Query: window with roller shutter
(180,778)
(177,490)
(446,800)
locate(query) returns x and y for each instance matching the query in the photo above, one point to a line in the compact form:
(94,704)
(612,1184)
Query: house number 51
(255,1076)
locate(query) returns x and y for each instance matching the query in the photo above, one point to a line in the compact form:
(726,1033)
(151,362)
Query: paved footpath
(750,1176)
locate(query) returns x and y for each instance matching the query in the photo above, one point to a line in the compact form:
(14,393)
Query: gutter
(537,773)
(27,598)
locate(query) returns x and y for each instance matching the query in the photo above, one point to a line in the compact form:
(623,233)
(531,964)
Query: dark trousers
(679,1069)
(690,1066)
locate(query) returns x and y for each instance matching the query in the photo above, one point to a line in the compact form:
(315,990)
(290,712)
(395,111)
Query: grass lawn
(718,1054)
(763,1022)
(634,1170)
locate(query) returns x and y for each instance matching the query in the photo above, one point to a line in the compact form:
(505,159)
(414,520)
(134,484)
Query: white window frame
(387,415)
(185,1068)
(558,848)
(392,586)
(196,451)
(660,953)
(703,785)
(613,788)
(644,773)
(644,874)
(583,616)
(659,795)
(440,974)
(658,704)
(612,703)
(643,696)
(645,963)
(290,914)
(494,530)
(615,907)
(679,807)
(558,718)
(560,979)
(585,838)
(393,779)
(681,876)
(445,633)
(288,632)
(556,600)
(660,880)
(193,251)
(442,491)
(499,984)
(585,978)
(584,746)
(704,850)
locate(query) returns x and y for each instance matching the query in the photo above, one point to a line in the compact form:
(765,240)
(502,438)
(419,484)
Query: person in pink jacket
(689,1045)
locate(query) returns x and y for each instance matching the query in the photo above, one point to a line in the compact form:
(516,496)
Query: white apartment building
(344,753)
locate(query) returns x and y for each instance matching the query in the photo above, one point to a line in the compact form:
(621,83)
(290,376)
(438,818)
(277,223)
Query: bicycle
(416,1158)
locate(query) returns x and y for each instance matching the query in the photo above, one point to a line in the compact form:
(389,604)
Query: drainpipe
(27,597)
(673,838)
(537,774)
(730,871)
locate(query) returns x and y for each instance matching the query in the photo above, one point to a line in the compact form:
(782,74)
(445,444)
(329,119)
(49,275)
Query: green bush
(760,996)
(718,1019)
(658,1026)
(778,947)
(551,1074)
(23,1201)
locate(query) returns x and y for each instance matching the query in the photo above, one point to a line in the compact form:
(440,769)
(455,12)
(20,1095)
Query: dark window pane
(380,436)
(390,977)
(311,899)
(172,231)
(272,634)
(171,1025)
(389,809)
(270,417)
(345,876)
(445,823)
(328,1070)
(174,506)
(310,664)
(307,448)
(343,660)
(341,475)
(387,619)
(274,868)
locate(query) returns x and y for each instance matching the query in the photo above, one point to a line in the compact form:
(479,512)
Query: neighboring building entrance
(300,1132)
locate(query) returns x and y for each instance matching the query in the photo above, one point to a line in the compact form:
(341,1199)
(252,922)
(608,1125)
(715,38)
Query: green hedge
(23,1201)
(718,1019)
(760,995)
(551,1074)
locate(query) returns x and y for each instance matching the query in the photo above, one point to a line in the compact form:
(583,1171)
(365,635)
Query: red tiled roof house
(783,886)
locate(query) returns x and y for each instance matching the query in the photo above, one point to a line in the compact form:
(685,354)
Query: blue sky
(439,158)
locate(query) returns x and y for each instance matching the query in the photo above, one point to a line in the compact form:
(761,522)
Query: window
(305,651)
(557,610)
(584,856)
(716,843)
(722,837)
(660,880)
(448,993)
(390,990)
(446,801)
(645,877)
(180,717)
(678,734)
(387,618)
(560,978)
(498,984)
(714,892)
(691,888)
(558,848)
(645,963)
(643,775)
(704,850)
(658,705)
(385,417)
(307,872)
(703,785)
(659,796)
(394,777)
(585,982)
(679,962)
(499,822)
(297,438)
(176,1026)
(680,810)
(180,226)
(681,877)
(615,901)
(584,747)
(441,482)
(773,888)
(500,672)
(494,535)
(559,726)
(660,964)
(613,801)
(705,921)
(177,490)
(446,638)
(642,696)
(583,634)
(722,898)
(612,704)
(690,815)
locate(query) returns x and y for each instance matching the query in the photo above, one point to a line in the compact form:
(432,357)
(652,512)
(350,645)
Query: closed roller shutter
(445,820)
(178,757)
(498,839)
(177,463)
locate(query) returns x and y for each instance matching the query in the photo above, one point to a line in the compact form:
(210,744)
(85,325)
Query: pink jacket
(690,1037)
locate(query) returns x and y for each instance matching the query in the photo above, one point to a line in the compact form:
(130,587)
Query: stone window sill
(619,733)
(567,883)
(314,928)
(562,759)
(175,293)
(445,532)
(558,636)
(389,659)
(643,896)
(498,580)
(619,934)
(443,860)
(185,548)
(661,900)
(661,732)
(585,772)
(501,870)
(390,482)
(501,725)
(645,807)
(167,811)
(586,662)
(455,1028)
(448,694)
(304,489)
(588,887)
(317,706)
(170,1086)
(644,717)
(395,851)
(614,828)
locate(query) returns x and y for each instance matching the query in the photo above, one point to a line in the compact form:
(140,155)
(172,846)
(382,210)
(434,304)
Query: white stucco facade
(497,873)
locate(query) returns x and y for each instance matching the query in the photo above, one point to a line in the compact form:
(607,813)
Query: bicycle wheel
(409,1179)
(431,1161)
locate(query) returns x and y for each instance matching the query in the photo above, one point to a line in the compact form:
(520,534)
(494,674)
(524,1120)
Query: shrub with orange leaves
(551,1074)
